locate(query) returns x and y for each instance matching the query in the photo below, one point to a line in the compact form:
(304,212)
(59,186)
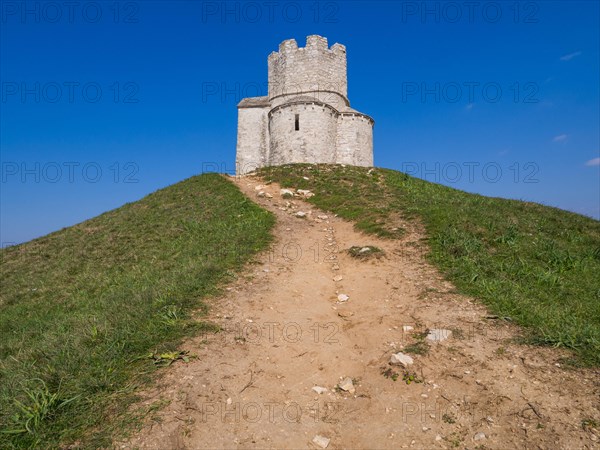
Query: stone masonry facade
(306,118)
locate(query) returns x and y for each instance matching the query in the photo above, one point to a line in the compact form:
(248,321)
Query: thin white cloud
(570,56)
(560,138)
(593,162)
(469,107)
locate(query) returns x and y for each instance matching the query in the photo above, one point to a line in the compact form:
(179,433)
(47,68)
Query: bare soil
(285,331)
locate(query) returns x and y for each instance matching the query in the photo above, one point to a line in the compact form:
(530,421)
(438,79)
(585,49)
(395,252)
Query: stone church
(306,118)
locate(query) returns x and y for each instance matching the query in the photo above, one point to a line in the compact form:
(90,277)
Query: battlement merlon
(313,42)
(288,46)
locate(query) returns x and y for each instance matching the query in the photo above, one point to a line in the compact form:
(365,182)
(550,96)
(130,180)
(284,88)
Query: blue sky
(105,102)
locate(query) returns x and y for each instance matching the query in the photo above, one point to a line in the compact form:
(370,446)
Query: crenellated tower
(306,116)
(313,70)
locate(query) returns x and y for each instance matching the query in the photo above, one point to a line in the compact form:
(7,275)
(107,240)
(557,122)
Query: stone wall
(252,138)
(354,140)
(314,140)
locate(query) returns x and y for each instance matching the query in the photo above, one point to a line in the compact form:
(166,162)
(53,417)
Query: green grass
(536,264)
(85,311)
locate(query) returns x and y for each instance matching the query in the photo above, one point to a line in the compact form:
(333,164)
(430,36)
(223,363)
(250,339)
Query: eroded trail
(286,331)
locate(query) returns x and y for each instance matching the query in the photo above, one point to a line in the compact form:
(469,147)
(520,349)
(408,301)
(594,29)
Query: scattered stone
(260,187)
(424,395)
(305,193)
(300,214)
(343,298)
(338,278)
(319,389)
(321,441)
(438,334)
(438,437)
(364,250)
(268,195)
(229,401)
(407,328)
(426,428)
(286,193)
(306,178)
(401,359)
(345,314)
(335,267)
(347,385)
(322,217)
(479,436)
(261,194)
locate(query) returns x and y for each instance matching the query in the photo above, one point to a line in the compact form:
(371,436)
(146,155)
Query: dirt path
(285,332)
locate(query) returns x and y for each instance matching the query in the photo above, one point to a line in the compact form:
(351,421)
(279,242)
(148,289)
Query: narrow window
(297,126)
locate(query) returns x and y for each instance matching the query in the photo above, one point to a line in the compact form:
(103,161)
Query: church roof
(303,98)
(254,102)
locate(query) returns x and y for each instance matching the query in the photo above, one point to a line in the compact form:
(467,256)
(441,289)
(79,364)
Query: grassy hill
(81,309)
(537,265)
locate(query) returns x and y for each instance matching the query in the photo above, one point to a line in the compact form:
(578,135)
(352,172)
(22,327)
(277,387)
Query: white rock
(407,328)
(319,389)
(479,436)
(347,385)
(438,437)
(268,195)
(321,441)
(364,250)
(285,192)
(300,214)
(401,359)
(338,278)
(229,401)
(438,334)
(343,298)
(322,217)
(260,187)
(306,178)
(305,193)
